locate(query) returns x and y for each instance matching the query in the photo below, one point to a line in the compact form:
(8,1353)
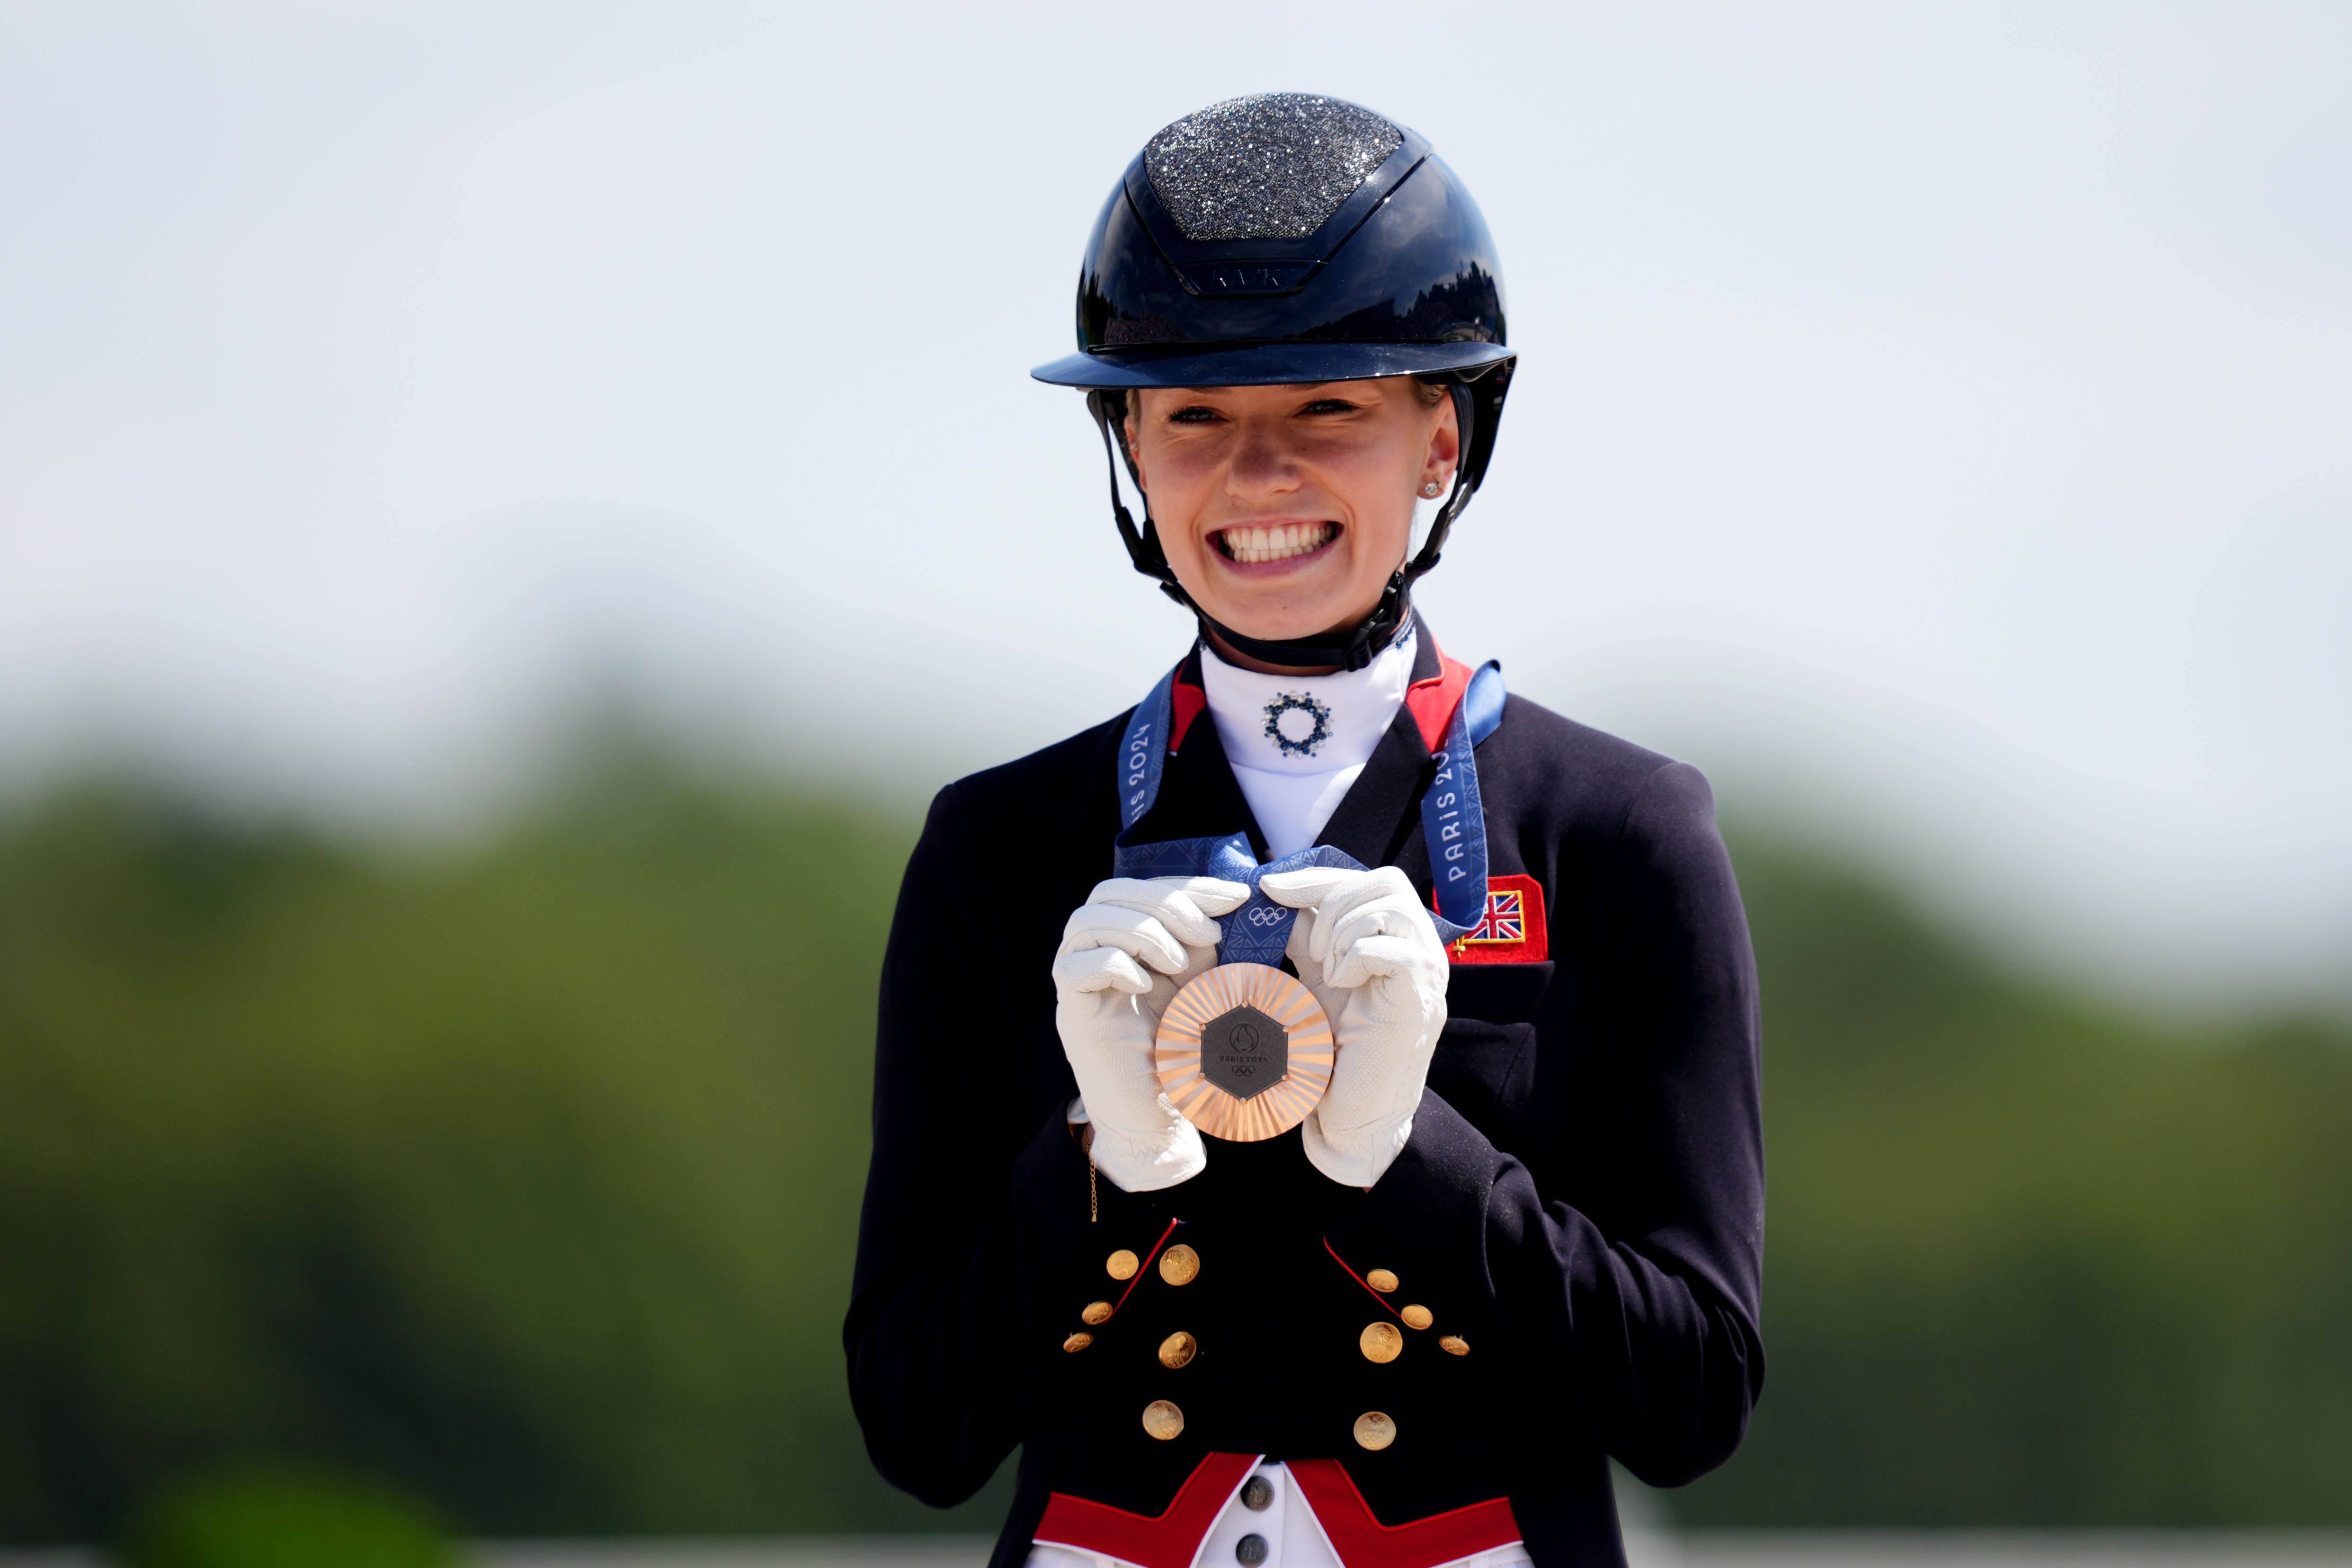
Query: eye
(1197,414)
(1329,406)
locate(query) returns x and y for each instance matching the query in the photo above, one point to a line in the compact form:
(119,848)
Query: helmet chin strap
(1350,648)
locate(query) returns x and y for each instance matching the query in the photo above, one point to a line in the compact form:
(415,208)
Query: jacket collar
(1377,822)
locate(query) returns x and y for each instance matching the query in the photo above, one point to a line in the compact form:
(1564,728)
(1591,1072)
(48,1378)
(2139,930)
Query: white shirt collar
(1307,724)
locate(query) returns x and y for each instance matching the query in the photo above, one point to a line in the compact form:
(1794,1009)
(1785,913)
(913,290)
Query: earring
(1431,489)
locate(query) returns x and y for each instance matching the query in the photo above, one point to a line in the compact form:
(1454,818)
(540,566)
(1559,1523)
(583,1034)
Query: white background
(1935,420)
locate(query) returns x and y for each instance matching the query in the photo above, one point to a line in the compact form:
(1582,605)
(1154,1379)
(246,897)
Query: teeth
(1253,545)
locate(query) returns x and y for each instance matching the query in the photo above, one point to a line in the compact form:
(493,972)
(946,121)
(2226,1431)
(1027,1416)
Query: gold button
(1381,1279)
(1373,1430)
(1163,1420)
(1179,1265)
(1096,1312)
(1078,1342)
(1454,1344)
(1380,1342)
(1415,1317)
(1122,1265)
(1178,1350)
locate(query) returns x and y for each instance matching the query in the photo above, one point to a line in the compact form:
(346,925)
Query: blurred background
(506,511)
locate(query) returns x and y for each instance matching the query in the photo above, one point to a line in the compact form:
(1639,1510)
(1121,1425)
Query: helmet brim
(1267,364)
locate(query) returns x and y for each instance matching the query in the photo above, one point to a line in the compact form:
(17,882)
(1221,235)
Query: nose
(1262,463)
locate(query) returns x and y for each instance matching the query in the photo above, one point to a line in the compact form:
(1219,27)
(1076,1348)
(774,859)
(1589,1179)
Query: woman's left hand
(1368,950)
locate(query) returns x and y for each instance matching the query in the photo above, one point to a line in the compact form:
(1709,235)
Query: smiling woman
(1323,1136)
(1286,510)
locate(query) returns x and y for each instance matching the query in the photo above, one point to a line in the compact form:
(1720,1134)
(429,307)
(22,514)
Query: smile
(1282,541)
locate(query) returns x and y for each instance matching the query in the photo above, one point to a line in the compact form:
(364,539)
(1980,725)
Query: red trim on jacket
(1359,1280)
(1361,1541)
(1432,701)
(1186,702)
(1358,1538)
(1171,1540)
(1144,1268)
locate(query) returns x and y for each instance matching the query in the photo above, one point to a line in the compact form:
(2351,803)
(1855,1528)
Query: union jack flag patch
(1511,931)
(1506,917)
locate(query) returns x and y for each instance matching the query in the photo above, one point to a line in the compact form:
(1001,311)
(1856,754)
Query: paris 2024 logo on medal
(1244,1052)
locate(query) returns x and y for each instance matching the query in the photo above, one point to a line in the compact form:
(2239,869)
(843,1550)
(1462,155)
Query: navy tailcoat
(1579,1208)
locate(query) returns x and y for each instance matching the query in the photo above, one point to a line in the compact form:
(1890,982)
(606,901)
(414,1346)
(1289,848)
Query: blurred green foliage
(284,1519)
(524,1176)
(2029,1260)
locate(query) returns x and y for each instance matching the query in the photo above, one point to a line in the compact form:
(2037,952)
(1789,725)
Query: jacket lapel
(1377,817)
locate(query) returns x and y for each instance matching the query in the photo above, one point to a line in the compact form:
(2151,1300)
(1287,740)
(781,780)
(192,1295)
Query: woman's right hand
(1129,949)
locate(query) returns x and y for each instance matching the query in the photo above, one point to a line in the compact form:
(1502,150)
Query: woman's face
(1284,510)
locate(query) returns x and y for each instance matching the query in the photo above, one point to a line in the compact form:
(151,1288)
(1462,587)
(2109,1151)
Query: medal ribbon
(1453,825)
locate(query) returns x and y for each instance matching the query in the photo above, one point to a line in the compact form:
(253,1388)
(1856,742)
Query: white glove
(1367,948)
(1129,949)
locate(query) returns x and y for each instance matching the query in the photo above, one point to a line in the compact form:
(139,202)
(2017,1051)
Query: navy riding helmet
(1287,237)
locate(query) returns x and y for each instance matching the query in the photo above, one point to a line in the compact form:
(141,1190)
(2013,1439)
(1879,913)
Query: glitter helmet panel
(1285,237)
(1273,165)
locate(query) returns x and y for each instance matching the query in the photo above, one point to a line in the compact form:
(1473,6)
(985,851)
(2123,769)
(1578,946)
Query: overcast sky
(1935,421)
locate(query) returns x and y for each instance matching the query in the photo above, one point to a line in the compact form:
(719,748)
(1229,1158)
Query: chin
(1273,616)
(1281,626)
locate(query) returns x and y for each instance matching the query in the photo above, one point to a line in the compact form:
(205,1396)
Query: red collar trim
(1432,701)
(1188,702)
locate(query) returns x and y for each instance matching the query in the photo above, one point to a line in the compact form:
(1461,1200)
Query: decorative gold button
(1380,1342)
(1122,1265)
(1373,1430)
(1096,1314)
(1179,1265)
(1415,1317)
(1178,1350)
(1163,1420)
(1454,1344)
(1381,1279)
(1078,1342)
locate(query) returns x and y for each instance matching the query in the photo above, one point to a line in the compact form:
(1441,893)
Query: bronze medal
(1244,1052)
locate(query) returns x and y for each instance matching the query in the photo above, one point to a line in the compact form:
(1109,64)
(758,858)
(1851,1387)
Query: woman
(1521,1231)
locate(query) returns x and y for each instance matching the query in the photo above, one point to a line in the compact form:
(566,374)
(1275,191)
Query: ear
(1444,443)
(1129,430)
